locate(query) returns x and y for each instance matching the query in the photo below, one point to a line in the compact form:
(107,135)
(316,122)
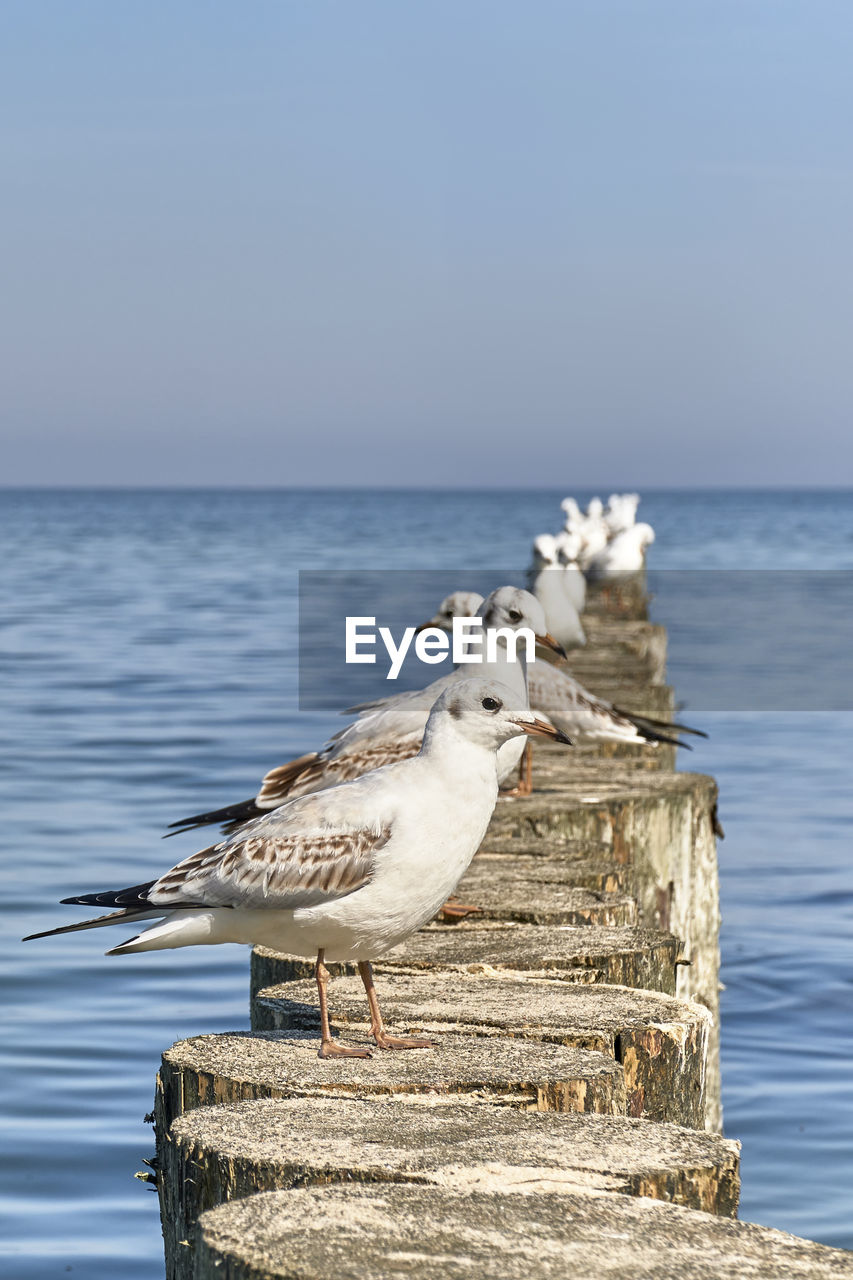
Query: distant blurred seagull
(605,540)
(551,580)
(621,512)
(572,512)
(593,532)
(346,874)
(392,728)
(624,555)
(568,549)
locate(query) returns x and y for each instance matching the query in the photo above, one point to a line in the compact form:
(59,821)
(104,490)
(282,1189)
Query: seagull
(459,604)
(348,873)
(621,512)
(590,719)
(572,512)
(583,716)
(569,547)
(625,554)
(590,527)
(605,540)
(389,729)
(548,582)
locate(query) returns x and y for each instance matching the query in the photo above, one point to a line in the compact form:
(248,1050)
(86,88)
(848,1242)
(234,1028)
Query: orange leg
(524,787)
(377,1026)
(330,1048)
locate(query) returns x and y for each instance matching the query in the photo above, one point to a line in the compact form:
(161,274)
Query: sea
(149,647)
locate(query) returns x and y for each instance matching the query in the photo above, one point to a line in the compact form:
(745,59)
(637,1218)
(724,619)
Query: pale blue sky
(446,242)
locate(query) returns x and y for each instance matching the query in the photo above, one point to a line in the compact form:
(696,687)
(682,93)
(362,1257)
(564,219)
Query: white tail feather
(179,929)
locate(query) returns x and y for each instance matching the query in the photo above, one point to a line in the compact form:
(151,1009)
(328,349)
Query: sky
(463,242)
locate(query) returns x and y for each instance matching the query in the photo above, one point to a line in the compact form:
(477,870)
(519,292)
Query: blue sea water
(149,654)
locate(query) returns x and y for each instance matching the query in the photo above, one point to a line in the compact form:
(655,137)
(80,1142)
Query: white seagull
(569,547)
(574,515)
(549,581)
(621,512)
(392,728)
(625,554)
(346,874)
(589,719)
(553,693)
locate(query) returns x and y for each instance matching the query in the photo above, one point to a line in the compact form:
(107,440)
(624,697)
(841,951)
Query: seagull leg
(377,1026)
(330,1048)
(524,786)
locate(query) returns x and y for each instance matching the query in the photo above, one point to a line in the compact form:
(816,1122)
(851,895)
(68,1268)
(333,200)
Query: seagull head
(545,550)
(487,712)
(459,604)
(569,546)
(514,608)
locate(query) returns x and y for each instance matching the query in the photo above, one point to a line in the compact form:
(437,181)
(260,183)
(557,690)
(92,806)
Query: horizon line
(343,487)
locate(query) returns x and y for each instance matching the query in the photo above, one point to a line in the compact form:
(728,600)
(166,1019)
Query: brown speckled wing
(273,871)
(318,772)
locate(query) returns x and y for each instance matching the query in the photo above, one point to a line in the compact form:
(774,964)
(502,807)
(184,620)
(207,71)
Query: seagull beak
(550,643)
(541,729)
(433,622)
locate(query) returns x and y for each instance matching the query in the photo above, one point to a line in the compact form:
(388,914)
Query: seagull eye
(514,615)
(491,704)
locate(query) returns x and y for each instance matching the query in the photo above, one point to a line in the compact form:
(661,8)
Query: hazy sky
(439,242)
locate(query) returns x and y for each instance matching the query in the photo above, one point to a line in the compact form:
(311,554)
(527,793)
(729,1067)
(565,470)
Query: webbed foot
(384,1041)
(331,1049)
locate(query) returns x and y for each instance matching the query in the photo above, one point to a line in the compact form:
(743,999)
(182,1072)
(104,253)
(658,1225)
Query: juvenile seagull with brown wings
(553,693)
(346,874)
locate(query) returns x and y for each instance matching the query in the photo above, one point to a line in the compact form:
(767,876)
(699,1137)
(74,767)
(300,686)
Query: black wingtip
(135,896)
(235,814)
(659,730)
(654,735)
(50,933)
(684,728)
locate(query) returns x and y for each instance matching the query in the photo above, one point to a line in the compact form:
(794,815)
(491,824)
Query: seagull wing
(296,778)
(573,709)
(580,714)
(309,851)
(392,731)
(389,730)
(400,712)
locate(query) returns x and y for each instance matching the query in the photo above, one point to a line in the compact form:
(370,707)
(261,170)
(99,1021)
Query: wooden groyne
(567,1121)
